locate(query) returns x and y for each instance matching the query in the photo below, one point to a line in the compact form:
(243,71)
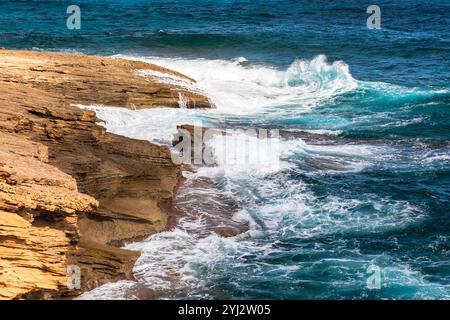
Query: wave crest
(317,74)
(238,86)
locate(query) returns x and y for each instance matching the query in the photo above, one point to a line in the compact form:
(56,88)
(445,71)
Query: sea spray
(235,88)
(321,214)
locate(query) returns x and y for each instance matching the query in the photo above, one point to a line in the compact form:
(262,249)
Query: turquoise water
(374,189)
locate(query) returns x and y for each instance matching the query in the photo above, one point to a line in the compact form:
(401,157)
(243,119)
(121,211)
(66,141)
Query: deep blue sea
(366,194)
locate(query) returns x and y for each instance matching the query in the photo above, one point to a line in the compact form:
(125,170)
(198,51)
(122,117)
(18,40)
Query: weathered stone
(69,190)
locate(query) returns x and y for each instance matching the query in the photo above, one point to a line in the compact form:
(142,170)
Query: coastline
(70,192)
(322,172)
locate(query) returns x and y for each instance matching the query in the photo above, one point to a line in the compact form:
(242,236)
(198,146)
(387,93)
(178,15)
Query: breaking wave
(306,226)
(238,87)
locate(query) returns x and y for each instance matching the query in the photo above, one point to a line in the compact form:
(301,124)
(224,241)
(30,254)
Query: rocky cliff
(70,192)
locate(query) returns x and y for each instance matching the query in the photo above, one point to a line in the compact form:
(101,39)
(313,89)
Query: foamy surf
(237,88)
(285,200)
(180,263)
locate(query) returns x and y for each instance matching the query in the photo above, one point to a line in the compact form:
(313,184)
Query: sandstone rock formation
(70,192)
(38,218)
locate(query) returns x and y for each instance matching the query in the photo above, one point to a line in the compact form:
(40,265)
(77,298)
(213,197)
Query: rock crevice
(70,192)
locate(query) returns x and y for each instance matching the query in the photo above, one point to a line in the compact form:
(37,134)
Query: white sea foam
(438,158)
(239,89)
(322,131)
(110,291)
(179,262)
(235,154)
(156,125)
(171,79)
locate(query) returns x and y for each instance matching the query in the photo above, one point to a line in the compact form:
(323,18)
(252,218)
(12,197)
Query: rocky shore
(71,193)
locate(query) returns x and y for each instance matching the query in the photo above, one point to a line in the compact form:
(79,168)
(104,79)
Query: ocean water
(363,179)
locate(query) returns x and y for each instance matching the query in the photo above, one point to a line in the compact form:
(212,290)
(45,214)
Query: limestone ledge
(70,192)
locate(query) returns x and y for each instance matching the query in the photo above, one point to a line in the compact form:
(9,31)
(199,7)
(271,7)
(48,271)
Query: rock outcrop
(70,192)
(38,218)
(98,80)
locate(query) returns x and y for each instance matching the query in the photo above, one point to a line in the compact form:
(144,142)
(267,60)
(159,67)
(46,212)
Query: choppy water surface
(368,185)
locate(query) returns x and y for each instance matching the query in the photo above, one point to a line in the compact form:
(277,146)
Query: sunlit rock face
(71,193)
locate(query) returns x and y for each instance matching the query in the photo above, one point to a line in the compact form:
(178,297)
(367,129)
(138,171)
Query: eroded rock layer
(71,193)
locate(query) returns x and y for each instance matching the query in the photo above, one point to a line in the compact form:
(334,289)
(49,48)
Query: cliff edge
(70,192)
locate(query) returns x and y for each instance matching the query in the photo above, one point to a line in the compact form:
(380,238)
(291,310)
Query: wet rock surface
(70,192)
